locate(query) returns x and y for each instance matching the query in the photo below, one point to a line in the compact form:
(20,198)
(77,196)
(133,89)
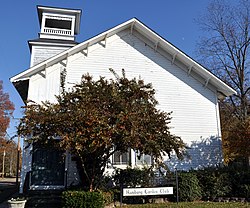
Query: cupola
(59,27)
(58,23)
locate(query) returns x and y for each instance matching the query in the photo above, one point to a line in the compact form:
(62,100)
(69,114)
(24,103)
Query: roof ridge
(135,23)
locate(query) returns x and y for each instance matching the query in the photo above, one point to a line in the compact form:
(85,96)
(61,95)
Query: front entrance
(48,167)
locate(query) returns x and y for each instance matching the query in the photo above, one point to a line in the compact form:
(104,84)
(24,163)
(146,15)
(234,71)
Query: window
(59,24)
(143,160)
(121,158)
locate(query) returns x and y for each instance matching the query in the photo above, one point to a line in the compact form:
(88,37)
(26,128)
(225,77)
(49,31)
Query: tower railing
(57,31)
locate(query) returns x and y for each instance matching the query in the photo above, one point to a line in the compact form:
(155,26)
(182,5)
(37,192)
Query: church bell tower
(59,28)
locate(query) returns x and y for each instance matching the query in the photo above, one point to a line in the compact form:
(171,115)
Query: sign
(147,191)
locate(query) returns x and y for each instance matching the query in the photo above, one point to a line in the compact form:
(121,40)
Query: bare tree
(224,50)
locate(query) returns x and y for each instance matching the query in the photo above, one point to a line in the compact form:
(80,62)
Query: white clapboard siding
(194,106)
(45,85)
(42,53)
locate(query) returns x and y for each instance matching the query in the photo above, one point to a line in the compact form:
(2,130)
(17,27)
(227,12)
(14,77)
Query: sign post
(177,186)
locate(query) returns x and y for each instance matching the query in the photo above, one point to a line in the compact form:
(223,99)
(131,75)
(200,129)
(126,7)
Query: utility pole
(11,163)
(3,163)
(18,158)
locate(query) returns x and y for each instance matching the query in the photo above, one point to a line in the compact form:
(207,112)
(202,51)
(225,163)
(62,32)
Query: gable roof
(159,43)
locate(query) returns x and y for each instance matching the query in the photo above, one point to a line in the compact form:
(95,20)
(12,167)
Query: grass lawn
(193,205)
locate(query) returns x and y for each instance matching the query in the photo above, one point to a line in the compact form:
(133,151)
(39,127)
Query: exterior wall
(45,85)
(194,107)
(42,53)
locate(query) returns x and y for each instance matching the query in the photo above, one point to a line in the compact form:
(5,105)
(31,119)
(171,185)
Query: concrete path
(7,190)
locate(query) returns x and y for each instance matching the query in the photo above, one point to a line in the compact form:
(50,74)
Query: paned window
(143,160)
(121,158)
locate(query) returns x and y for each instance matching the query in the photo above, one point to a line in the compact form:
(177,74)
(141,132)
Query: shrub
(240,179)
(189,188)
(230,181)
(108,197)
(133,177)
(214,182)
(81,199)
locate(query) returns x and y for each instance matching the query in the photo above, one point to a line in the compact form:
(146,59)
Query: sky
(174,20)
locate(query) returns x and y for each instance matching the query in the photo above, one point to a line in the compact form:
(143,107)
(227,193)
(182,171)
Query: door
(48,167)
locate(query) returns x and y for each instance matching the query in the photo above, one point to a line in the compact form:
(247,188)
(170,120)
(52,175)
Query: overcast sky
(171,19)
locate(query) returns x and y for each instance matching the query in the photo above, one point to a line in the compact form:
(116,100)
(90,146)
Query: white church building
(182,86)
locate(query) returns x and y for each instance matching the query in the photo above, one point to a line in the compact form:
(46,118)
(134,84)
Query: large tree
(98,118)
(8,159)
(225,51)
(6,111)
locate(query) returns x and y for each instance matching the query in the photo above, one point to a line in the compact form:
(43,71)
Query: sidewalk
(8,189)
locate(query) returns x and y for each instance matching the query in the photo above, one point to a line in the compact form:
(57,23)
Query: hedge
(81,199)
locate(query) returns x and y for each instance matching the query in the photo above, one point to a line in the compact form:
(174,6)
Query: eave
(159,43)
(22,87)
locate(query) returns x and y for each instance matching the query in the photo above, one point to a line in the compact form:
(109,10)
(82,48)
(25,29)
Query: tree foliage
(225,51)
(6,146)
(8,152)
(6,110)
(237,142)
(98,118)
